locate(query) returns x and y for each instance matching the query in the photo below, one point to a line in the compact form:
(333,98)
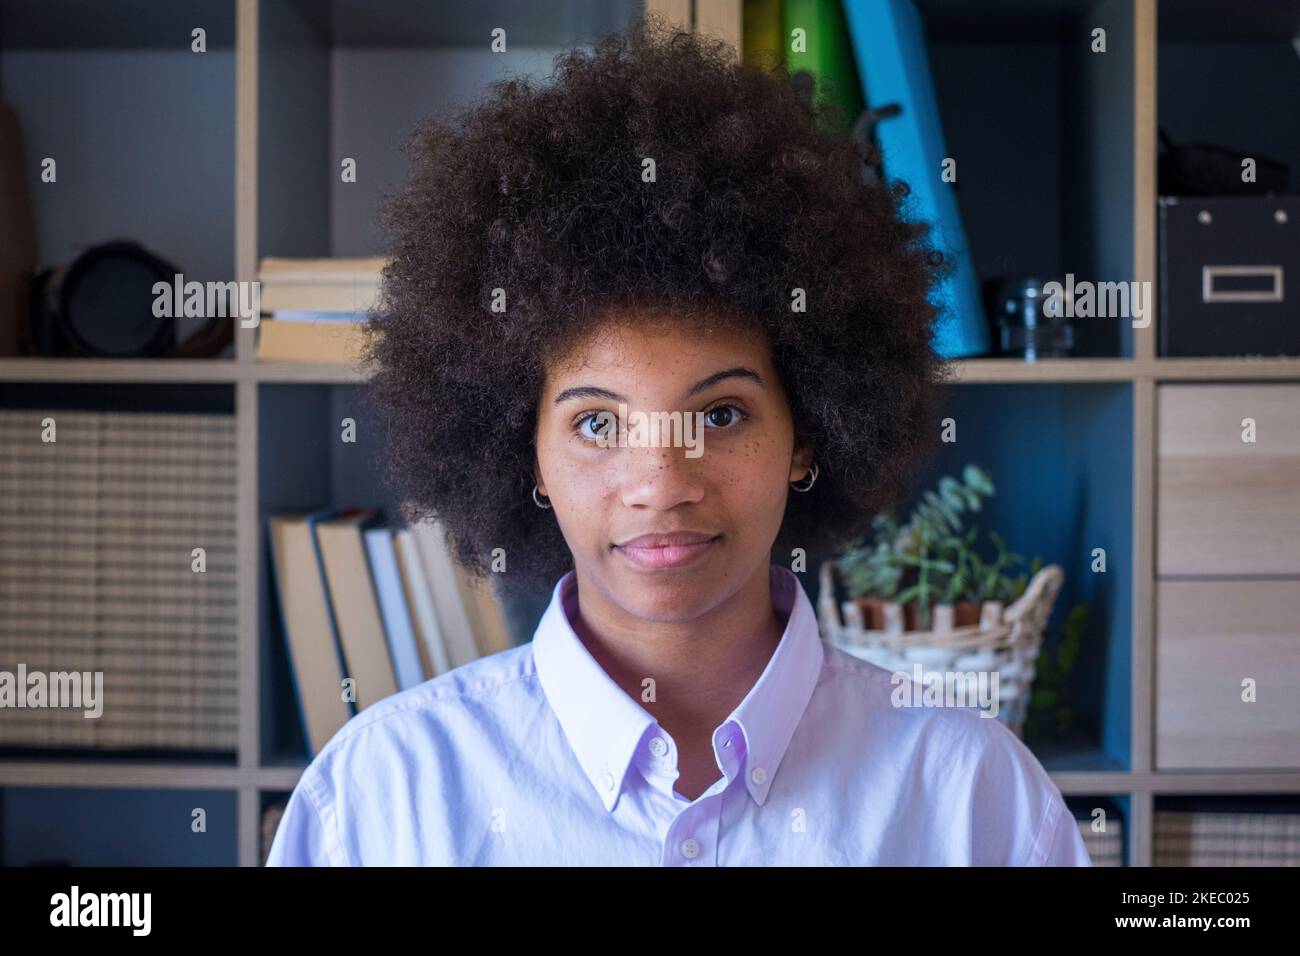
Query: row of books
(118,565)
(312,309)
(369,610)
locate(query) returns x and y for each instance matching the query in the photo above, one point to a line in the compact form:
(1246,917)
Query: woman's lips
(666,556)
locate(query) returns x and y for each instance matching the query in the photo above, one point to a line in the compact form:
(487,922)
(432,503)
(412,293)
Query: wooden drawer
(1223,506)
(1210,636)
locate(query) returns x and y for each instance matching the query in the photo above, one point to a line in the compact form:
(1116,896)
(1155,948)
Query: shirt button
(690,849)
(607,781)
(658,747)
(758,775)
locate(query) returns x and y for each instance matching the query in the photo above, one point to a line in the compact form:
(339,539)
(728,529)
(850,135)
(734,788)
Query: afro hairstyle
(542,194)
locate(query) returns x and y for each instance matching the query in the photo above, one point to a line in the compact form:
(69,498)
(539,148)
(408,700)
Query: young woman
(659,232)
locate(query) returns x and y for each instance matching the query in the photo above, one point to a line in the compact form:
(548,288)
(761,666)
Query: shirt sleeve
(302,839)
(1061,843)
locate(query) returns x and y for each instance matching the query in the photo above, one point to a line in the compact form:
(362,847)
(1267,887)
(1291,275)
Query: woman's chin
(666,596)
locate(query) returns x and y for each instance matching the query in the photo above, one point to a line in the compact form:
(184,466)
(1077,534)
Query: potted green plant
(873,571)
(962,589)
(917,580)
(927,562)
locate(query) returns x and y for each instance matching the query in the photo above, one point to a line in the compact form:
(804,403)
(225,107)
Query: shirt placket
(692,835)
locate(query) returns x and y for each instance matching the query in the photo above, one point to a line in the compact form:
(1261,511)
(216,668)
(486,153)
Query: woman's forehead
(631,341)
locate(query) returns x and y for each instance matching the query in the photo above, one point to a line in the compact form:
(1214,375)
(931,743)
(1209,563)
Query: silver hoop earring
(537,501)
(812,478)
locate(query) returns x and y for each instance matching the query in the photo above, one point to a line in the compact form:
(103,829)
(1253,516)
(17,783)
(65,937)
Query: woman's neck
(701,668)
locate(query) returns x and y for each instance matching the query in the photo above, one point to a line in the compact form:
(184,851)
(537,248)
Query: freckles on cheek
(752,469)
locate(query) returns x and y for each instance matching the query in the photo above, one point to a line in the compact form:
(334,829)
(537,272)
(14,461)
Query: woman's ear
(801,460)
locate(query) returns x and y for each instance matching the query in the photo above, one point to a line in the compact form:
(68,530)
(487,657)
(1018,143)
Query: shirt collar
(605,726)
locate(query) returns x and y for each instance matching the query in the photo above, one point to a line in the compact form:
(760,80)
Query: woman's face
(726,479)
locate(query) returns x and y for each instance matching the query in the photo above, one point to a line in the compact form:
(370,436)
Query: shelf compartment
(163,638)
(1102,822)
(1044,135)
(327,72)
(1060,457)
(140,127)
(116,827)
(1212,635)
(1221,831)
(1226,506)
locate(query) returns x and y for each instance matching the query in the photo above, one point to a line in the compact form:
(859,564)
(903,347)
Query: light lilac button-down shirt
(535,756)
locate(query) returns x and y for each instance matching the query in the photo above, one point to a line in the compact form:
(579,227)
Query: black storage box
(1228,268)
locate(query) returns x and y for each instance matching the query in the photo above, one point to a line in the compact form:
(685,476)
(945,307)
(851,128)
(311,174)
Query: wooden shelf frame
(251,778)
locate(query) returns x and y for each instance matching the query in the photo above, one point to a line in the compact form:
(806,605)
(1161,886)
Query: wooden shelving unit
(336,51)
(983,371)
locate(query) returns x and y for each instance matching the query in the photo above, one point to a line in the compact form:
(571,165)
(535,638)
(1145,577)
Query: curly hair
(538,192)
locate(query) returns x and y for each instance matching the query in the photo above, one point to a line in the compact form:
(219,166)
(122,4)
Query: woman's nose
(660,475)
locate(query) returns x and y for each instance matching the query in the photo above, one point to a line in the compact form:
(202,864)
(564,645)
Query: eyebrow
(594,391)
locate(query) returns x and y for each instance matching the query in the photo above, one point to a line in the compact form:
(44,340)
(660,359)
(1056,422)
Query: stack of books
(312,309)
(118,547)
(370,610)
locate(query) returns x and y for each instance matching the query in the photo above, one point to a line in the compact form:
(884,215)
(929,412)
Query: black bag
(101,305)
(1200,169)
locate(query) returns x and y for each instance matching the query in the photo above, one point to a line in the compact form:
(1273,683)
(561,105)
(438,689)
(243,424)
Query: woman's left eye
(733,415)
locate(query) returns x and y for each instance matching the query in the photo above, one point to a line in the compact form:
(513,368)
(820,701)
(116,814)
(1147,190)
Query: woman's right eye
(599,422)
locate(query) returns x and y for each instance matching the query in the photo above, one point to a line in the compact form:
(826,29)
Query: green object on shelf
(1049,714)
(822,49)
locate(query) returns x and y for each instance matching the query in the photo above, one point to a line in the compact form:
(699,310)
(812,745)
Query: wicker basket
(1006,640)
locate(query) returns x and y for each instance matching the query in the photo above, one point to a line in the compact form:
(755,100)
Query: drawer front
(1224,506)
(1211,636)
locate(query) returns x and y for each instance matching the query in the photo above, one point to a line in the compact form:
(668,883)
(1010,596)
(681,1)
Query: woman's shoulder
(439,713)
(963,758)
(391,781)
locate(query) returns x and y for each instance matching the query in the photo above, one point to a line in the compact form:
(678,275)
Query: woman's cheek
(586,485)
(751,465)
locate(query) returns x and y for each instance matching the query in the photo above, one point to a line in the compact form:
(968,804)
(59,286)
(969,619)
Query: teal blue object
(889,45)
